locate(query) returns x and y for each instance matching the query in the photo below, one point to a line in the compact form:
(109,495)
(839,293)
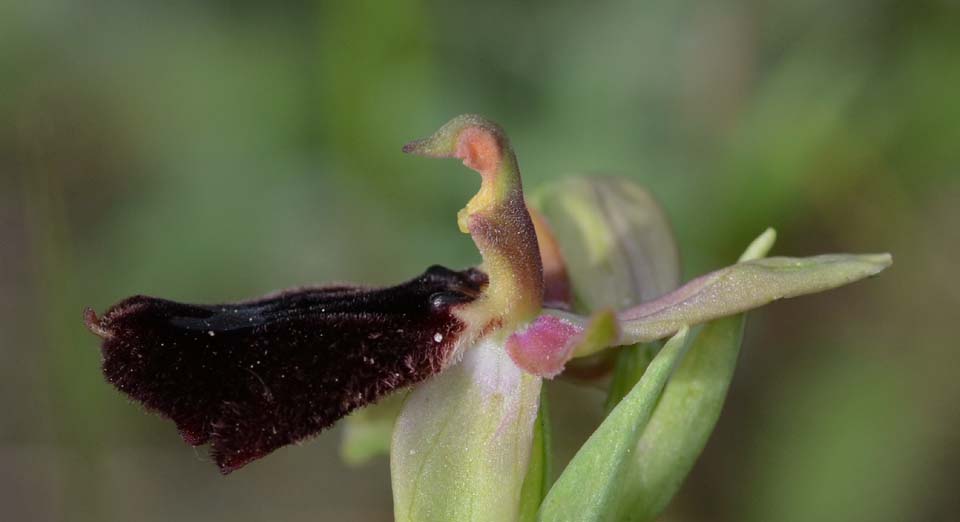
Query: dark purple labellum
(251,377)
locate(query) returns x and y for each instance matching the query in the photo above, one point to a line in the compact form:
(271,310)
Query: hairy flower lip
(253,376)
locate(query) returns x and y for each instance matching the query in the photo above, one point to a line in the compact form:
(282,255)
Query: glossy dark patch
(251,377)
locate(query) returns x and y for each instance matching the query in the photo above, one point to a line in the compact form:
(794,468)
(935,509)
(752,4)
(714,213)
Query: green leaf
(660,448)
(632,361)
(537,482)
(682,422)
(591,486)
(462,444)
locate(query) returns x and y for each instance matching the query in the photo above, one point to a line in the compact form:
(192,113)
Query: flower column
(462,442)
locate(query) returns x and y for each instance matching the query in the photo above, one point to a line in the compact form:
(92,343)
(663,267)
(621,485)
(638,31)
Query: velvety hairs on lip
(251,377)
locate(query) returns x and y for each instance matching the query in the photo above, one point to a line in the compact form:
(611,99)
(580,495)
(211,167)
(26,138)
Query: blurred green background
(219,151)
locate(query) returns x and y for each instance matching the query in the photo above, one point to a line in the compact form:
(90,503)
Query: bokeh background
(219,150)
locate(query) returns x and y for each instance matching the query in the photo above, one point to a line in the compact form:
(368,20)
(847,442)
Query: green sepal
(619,250)
(616,241)
(462,443)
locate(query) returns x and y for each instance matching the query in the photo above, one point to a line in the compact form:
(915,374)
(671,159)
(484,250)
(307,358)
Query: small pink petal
(544,347)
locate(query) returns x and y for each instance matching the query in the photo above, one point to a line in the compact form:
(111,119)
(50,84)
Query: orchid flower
(557,288)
